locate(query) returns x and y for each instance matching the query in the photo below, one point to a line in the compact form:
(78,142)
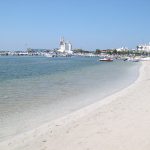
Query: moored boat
(106,59)
(134,59)
(145,59)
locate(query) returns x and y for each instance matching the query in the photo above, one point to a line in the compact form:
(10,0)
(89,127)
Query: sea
(35,90)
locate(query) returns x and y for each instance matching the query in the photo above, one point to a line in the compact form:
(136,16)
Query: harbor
(142,53)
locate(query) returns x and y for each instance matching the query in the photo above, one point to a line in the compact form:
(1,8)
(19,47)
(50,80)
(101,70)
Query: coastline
(119,121)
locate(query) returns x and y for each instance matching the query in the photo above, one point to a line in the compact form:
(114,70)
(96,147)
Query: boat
(49,55)
(106,59)
(134,59)
(145,59)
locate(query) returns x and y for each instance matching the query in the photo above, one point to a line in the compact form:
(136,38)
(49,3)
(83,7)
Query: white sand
(119,122)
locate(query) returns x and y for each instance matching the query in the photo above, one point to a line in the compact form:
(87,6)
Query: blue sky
(88,24)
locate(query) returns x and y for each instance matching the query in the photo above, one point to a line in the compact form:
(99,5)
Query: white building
(122,49)
(144,47)
(65,47)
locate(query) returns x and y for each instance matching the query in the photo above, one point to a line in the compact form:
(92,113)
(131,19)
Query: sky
(87,24)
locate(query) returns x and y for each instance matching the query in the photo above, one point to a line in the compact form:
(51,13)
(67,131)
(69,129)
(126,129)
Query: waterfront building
(122,49)
(144,47)
(65,47)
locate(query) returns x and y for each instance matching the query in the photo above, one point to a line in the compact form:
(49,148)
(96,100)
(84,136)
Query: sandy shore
(119,122)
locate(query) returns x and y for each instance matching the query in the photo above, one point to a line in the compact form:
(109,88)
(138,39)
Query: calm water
(34,90)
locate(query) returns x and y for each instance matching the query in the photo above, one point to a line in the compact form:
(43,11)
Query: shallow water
(35,90)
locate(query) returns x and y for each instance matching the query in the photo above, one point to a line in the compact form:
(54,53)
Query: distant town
(65,49)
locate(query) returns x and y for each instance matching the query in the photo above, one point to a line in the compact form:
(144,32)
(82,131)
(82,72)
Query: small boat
(145,59)
(49,55)
(134,59)
(106,59)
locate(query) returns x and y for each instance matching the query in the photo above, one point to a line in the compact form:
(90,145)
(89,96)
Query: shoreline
(87,127)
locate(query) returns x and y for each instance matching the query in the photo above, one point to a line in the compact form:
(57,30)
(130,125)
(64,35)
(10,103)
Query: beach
(32,94)
(118,122)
